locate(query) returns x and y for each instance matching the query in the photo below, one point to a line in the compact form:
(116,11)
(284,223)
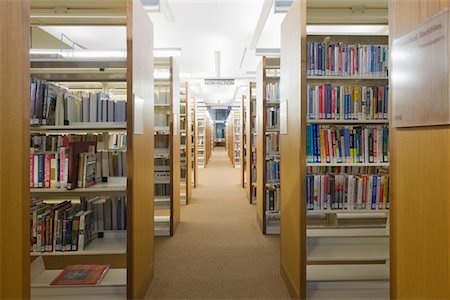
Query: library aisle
(218,251)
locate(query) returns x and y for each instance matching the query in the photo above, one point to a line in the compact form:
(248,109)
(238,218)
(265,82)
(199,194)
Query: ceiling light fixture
(348,29)
(265,12)
(217,60)
(282,6)
(167,52)
(268,52)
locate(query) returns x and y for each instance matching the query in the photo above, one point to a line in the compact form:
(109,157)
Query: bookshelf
(237,141)
(201,134)
(414,179)
(167,147)
(185,144)
(268,191)
(229,142)
(320,239)
(251,143)
(119,248)
(194,142)
(209,129)
(243,138)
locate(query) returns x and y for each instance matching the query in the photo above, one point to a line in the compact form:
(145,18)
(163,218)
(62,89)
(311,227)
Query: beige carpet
(218,251)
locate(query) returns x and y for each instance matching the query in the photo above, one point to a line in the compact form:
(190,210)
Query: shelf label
(138,115)
(283,117)
(419,75)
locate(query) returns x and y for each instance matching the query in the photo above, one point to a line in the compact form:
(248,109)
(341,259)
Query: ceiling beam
(78,16)
(264,15)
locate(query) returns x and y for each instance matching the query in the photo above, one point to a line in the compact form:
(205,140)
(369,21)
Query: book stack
(273,118)
(272,144)
(347,144)
(54,105)
(273,92)
(60,227)
(339,59)
(273,171)
(71,161)
(331,102)
(347,192)
(273,196)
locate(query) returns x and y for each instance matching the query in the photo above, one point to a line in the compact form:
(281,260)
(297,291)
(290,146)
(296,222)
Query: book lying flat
(81,275)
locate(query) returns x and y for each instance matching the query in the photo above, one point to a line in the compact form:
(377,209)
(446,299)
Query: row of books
(162,189)
(161,117)
(273,197)
(51,143)
(110,213)
(254,172)
(273,118)
(272,171)
(76,165)
(273,92)
(347,144)
(54,105)
(60,227)
(355,170)
(339,59)
(162,95)
(347,192)
(272,144)
(329,102)
(162,141)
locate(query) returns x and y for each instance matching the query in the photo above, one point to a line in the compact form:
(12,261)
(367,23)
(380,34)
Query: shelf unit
(268,192)
(136,183)
(323,249)
(229,137)
(167,146)
(185,144)
(243,139)
(250,152)
(201,133)
(209,129)
(194,141)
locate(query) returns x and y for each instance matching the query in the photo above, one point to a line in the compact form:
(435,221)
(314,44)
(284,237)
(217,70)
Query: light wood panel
(243,161)
(260,124)
(420,192)
(14,149)
(175,146)
(188,147)
(140,179)
(248,141)
(293,151)
(194,121)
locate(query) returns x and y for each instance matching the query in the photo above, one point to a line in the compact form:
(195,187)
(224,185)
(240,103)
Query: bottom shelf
(113,285)
(348,290)
(162,226)
(347,272)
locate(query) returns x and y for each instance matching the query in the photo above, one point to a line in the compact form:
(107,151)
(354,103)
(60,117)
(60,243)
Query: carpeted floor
(218,251)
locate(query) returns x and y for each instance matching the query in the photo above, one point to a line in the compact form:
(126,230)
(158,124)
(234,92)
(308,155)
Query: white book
(369,193)
(359,204)
(93,107)
(350,195)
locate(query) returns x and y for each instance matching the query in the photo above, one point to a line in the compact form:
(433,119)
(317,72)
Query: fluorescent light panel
(267,52)
(348,29)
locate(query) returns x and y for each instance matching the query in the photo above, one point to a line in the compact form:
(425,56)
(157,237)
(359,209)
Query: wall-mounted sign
(138,115)
(219,82)
(420,74)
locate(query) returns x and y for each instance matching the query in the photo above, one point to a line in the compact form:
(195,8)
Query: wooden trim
(291,287)
(260,137)
(188,147)
(293,149)
(14,150)
(140,176)
(195,143)
(242,133)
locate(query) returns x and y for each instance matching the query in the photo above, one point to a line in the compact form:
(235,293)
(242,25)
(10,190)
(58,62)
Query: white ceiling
(200,28)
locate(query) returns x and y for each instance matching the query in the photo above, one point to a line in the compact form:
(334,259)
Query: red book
(75,148)
(81,275)
(32,170)
(47,170)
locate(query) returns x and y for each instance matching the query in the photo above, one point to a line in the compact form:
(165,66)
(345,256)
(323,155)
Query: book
(75,148)
(81,275)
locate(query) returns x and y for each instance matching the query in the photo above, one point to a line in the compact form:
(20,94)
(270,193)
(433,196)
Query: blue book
(317,134)
(374,192)
(347,143)
(41,157)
